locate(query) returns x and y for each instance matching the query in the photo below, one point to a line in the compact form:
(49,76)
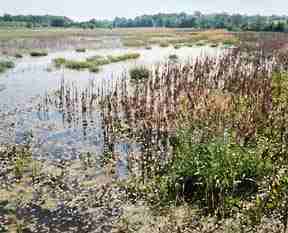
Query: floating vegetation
(38,53)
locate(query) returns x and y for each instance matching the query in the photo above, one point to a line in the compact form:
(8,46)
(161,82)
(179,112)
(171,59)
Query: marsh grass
(93,63)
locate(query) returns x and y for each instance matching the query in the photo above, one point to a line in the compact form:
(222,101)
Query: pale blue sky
(86,9)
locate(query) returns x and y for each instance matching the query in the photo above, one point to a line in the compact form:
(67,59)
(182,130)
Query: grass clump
(59,61)
(128,56)
(200,43)
(80,50)
(164,44)
(177,46)
(18,55)
(4,65)
(214,45)
(77,65)
(38,53)
(94,69)
(139,73)
(93,63)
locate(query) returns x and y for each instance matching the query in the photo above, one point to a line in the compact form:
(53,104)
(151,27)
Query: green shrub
(38,53)
(216,164)
(139,73)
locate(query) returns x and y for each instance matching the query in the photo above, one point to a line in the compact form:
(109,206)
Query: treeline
(234,22)
(35,21)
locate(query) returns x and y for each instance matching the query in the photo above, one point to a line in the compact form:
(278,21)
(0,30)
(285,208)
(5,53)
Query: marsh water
(51,136)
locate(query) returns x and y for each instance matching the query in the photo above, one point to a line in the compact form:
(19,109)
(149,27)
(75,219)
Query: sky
(108,9)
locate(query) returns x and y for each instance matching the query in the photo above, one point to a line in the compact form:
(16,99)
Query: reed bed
(231,92)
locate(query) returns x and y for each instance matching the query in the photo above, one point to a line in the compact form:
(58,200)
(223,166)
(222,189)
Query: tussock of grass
(80,50)
(139,73)
(164,44)
(4,65)
(177,46)
(38,53)
(94,69)
(18,55)
(77,65)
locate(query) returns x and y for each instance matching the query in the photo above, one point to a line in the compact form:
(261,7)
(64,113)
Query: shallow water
(54,136)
